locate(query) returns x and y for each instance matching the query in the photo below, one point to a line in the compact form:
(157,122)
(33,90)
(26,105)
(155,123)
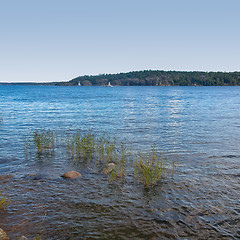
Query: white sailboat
(109,85)
(79,84)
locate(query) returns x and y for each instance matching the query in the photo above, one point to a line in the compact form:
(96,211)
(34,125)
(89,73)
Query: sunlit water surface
(198,127)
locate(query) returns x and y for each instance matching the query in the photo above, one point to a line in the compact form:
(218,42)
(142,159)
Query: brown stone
(109,167)
(3,235)
(23,238)
(71,174)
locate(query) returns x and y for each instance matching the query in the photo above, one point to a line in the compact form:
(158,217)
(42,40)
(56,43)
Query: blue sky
(56,40)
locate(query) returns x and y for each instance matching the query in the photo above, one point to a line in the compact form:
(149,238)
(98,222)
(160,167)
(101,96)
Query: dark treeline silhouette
(159,78)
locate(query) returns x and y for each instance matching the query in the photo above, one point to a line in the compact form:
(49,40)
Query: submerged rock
(3,235)
(109,167)
(23,238)
(6,177)
(71,174)
(37,176)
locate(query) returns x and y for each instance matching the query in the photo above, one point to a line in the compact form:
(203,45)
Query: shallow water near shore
(197,127)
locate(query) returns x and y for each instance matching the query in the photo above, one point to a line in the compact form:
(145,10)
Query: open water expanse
(197,127)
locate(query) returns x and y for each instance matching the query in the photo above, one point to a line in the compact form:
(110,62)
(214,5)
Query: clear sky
(57,40)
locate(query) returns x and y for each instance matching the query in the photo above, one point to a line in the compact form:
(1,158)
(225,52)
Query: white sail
(109,85)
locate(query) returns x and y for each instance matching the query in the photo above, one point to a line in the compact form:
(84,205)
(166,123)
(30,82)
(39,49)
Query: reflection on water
(196,126)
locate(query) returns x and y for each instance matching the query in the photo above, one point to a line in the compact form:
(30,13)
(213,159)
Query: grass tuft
(98,152)
(150,167)
(81,146)
(44,141)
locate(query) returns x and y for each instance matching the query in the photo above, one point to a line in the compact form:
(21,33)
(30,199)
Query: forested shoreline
(151,78)
(158,78)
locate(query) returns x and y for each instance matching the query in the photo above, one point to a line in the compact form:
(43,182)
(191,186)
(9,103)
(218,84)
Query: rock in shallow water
(109,167)
(71,174)
(3,235)
(6,177)
(23,238)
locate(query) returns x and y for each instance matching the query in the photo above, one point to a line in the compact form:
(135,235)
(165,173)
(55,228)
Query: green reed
(81,146)
(87,146)
(120,160)
(100,147)
(119,171)
(97,152)
(110,147)
(44,141)
(150,167)
(3,201)
(70,144)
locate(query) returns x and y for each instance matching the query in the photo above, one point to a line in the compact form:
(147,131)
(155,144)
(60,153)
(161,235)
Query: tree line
(159,78)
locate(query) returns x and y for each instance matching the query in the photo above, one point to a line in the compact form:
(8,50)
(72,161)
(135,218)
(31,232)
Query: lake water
(198,127)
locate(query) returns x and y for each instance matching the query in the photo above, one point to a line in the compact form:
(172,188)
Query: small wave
(225,156)
(202,142)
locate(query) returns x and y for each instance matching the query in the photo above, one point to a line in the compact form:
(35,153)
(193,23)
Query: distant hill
(158,78)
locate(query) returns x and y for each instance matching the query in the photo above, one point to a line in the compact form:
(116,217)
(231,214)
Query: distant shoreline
(150,78)
(60,85)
